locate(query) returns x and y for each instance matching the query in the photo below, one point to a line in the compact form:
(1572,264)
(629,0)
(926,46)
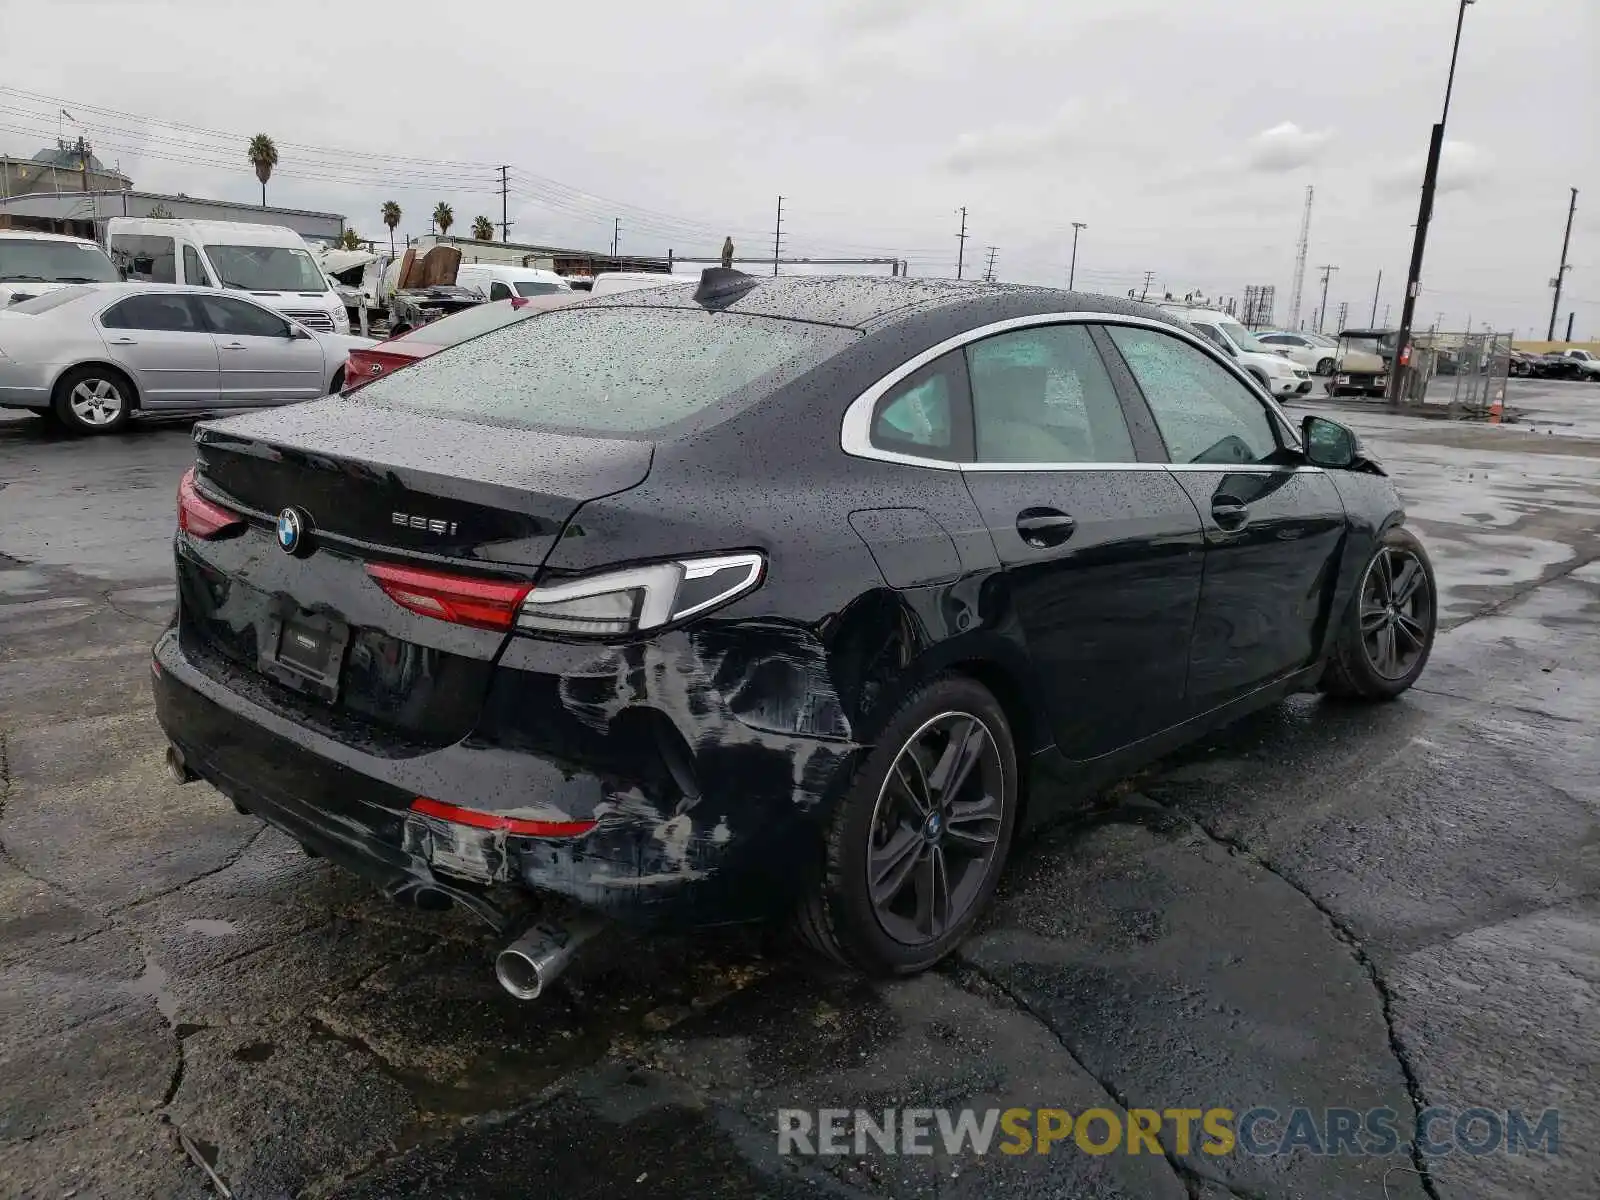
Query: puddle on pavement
(153,985)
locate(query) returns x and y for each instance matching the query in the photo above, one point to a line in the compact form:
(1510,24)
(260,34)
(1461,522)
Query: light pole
(1072,271)
(1430,178)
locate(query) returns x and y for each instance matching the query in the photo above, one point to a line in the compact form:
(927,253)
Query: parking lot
(1326,906)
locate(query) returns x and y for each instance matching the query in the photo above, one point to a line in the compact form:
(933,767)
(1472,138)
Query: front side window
(499,291)
(1241,337)
(145,257)
(170,314)
(240,318)
(1214,335)
(917,416)
(1043,395)
(40,260)
(267,268)
(609,370)
(1204,413)
(194,271)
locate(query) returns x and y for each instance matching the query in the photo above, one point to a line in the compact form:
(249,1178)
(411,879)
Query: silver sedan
(89,356)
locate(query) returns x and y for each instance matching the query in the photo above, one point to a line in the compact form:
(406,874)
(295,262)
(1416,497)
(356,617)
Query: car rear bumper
(727,833)
(25,385)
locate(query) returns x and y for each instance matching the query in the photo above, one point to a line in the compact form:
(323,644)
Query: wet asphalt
(1327,906)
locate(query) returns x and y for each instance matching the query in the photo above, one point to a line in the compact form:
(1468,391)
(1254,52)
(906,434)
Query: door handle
(234,346)
(123,342)
(1042,528)
(1229,513)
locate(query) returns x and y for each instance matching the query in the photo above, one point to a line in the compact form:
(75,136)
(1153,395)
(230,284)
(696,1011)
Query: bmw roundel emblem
(292,526)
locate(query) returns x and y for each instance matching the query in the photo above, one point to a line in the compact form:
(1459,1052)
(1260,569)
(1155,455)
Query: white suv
(1272,371)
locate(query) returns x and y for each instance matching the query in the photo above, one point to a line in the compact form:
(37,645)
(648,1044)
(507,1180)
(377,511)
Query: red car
(374,362)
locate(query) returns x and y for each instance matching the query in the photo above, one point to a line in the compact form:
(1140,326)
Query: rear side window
(146,257)
(1042,395)
(609,370)
(172,314)
(918,415)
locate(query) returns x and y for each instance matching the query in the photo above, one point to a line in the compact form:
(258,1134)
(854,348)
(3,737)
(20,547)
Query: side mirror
(1328,443)
(296,334)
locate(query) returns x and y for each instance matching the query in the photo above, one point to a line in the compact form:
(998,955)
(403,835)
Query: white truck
(269,262)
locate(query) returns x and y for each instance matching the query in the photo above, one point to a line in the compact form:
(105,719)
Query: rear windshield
(609,370)
(44,303)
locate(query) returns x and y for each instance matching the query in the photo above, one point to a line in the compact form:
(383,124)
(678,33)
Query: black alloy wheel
(1396,611)
(936,828)
(1387,634)
(1325,367)
(916,844)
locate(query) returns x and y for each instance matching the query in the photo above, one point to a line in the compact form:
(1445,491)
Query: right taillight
(200,517)
(459,599)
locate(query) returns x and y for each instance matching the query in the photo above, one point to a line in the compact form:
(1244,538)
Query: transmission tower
(1300,264)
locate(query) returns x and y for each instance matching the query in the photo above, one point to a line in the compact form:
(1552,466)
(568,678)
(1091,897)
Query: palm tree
(444,217)
(350,239)
(264,155)
(483,229)
(391,218)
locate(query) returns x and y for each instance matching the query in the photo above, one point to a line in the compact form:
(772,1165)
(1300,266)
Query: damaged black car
(791,598)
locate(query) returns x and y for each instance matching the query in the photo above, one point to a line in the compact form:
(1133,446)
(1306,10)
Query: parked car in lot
(766,603)
(1275,373)
(1312,351)
(32,264)
(608,283)
(1575,363)
(501,281)
(370,362)
(89,355)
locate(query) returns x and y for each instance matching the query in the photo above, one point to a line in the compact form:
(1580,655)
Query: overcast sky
(1183,132)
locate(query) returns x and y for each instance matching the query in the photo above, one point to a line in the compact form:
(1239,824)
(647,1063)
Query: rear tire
(1383,641)
(94,400)
(935,850)
(1325,367)
(337,384)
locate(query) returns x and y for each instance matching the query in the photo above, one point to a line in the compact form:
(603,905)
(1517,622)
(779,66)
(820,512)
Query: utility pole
(1386,316)
(961,243)
(1072,271)
(505,192)
(988,273)
(1561,272)
(1430,177)
(1327,270)
(1373,320)
(616,236)
(777,236)
(1570,315)
(1344,312)
(1148,276)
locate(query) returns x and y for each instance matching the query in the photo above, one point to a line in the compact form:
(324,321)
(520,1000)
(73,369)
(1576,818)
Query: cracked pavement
(1325,905)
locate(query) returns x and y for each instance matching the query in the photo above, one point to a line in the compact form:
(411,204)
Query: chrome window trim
(855,431)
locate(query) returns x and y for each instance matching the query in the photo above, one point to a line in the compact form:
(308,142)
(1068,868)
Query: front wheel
(916,845)
(93,400)
(1325,367)
(1384,640)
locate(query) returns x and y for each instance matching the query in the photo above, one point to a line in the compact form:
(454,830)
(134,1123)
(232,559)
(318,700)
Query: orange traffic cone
(1497,409)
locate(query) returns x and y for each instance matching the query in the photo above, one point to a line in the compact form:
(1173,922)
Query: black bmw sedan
(773,598)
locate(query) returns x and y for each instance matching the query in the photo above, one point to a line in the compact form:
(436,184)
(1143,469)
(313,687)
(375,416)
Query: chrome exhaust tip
(534,961)
(177,768)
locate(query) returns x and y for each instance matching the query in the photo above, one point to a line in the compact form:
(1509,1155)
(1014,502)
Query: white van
(270,262)
(1276,373)
(32,264)
(631,281)
(501,281)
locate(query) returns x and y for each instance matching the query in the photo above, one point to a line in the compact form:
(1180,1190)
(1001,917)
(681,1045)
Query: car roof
(39,236)
(868,302)
(248,233)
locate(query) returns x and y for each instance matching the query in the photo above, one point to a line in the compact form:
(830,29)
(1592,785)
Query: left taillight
(459,599)
(201,517)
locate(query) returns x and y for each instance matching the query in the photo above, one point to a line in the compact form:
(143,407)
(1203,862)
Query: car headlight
(636,599)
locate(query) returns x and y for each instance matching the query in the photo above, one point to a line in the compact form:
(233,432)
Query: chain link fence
(1464,372)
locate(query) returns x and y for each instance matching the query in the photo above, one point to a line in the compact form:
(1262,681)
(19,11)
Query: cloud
(882,16)
(1463,167)
(1285,147)
(1018,145)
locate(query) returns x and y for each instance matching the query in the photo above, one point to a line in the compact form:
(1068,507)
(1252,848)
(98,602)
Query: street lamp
(1430,178)
(1072,271)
